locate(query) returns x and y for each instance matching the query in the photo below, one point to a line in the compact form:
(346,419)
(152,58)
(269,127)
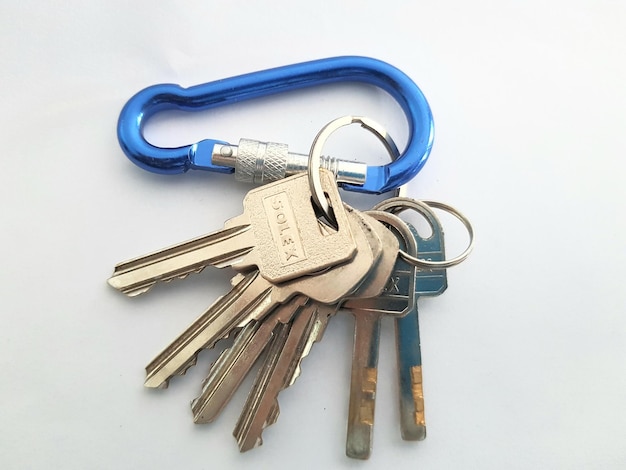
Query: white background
(523,355)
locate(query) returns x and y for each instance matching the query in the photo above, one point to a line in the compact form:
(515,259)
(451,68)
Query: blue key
(429,282)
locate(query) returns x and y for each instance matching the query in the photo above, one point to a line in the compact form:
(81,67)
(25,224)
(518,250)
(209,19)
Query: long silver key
(428,283)
(278,232)
(233,365)
(397,299)
(254,297)
(281,369)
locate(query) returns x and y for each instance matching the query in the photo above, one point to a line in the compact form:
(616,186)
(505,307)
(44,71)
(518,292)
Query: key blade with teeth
(278,232)
(254,297)
(246,438)
(138,275)
(250,297)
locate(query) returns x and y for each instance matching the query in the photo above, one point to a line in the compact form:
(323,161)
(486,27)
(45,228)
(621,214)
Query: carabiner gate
(378,179)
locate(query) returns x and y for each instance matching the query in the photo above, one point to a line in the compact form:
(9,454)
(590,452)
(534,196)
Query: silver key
(397,299)
(254,297)
(234,364)
(428,283)
(281,212)
(281,369)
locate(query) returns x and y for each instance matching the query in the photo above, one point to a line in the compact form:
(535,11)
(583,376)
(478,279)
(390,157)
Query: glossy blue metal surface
(267,82)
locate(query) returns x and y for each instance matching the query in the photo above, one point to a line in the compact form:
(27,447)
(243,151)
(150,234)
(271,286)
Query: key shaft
(219,249)
(363,383)
(408,348)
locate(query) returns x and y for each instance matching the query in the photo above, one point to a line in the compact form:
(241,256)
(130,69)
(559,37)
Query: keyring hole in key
(329,224)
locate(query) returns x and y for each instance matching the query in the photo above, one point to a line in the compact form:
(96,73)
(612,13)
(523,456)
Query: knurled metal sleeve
(259,162)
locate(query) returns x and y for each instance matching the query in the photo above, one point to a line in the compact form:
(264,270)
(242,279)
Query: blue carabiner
(162,97)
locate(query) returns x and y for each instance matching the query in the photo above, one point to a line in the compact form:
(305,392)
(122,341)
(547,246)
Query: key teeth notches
(182,371)
(194,360)
(134,291)
(189,364)
(207,378)
(231,334)
(272,417)
(315,336)
(243,439)
(164,385)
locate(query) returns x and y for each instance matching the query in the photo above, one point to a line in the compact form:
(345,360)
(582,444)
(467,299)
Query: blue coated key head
(198,155)
(431,282)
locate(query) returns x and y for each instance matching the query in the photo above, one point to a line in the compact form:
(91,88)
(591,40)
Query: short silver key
(428,283)
(278,232)
(234,364)
(254,297)
(397,299)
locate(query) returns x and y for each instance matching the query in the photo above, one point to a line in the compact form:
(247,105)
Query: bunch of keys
(300,255)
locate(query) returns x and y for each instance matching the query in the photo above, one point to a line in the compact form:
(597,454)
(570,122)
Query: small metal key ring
(397,204)
(315,154)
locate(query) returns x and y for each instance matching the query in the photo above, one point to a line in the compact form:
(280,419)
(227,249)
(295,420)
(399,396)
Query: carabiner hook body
(267,82)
